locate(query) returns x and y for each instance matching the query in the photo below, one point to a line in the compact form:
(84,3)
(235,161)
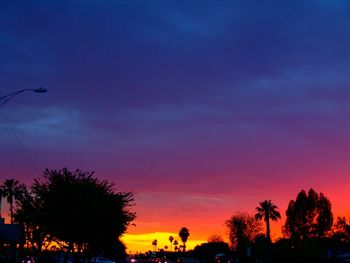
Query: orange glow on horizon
(207,214)
(204,224)
(140,243)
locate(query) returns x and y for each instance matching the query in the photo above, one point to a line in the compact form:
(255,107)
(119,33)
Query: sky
(200,108)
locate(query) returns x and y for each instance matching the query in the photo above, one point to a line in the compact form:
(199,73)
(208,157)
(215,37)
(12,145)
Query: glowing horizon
(138,238)
(140,243)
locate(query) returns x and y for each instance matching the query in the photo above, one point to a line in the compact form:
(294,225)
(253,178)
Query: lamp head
(40,90)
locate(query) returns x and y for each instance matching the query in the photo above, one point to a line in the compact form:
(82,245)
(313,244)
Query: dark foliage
(215,238)
(341,231)
(243,229)
(77,209)
(29,212)
(184,233)
(266,211)
(309,216)
(10,189)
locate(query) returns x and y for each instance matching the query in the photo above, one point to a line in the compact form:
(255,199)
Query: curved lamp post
(10,96)
(5,99)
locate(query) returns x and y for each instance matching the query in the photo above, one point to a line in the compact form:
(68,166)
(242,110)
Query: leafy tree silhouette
(29,212)
(243,229)
(310,215)
(85,213)
(341,230)
(11,189)
(215,239)
(184,234)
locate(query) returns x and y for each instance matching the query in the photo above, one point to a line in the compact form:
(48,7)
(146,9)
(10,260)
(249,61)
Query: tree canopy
(243,229)
(10,189)
(341,230)
(77,209)
(184,233)
(215,238)
(267,210)
(29,211)
(310,215)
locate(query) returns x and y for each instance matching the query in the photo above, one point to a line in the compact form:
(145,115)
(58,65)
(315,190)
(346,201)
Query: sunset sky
(200,108)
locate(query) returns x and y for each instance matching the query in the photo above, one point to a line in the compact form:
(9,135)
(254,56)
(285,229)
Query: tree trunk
(11,210)
(268,229)
(268,239)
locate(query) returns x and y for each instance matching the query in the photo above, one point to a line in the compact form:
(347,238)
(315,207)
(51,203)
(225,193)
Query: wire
(10,132)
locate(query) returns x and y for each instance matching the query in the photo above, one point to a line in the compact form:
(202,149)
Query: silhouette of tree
(243,229)
(310,215)
(10,190)
(171,238)
(184,234)
(267,210)
(325,217)
(85,213)
(29,212)
(176,243)
(215,239)
(154,244)
(341,230)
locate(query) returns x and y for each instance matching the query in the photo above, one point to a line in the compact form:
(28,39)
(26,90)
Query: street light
(3,100)
(10,96)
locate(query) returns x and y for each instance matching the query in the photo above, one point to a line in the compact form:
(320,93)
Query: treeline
(309,233)
(75,212)
(184,233)
(71,211)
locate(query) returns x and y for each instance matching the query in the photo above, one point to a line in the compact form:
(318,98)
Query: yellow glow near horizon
(140,243)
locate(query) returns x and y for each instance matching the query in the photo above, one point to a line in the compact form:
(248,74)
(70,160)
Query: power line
(15,139)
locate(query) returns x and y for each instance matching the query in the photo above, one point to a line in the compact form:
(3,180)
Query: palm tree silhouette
(267,210)
(171,238)
(154,244)
(10,189)
(184,234)
(175,245)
